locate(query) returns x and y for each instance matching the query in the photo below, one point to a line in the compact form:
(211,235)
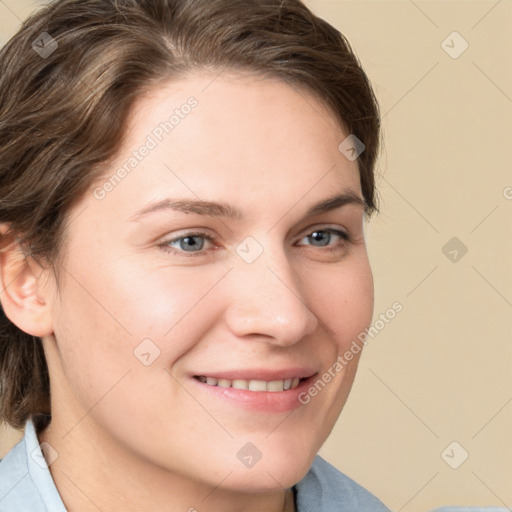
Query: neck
(108,477)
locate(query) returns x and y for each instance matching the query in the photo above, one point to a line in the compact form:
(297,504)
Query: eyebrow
(225,210)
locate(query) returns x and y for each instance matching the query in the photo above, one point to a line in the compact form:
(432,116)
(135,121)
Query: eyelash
(345,238)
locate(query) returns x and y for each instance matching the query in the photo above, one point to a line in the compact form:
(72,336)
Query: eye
(189,242)
(193,243)
(324,237)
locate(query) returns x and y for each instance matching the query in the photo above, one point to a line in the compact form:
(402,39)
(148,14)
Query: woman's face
(161,291)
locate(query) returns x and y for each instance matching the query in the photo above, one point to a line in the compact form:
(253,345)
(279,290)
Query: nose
(268,299)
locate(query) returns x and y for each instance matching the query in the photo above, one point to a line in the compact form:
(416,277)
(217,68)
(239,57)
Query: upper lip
(259,374)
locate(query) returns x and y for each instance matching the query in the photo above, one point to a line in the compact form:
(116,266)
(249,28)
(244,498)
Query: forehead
(228,97)
(213,135)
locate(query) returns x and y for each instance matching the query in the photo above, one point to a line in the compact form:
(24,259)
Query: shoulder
(25,479)
(471,509)
(17,491)
(326,489)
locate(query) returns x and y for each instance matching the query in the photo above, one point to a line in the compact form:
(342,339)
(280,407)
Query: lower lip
(260,401)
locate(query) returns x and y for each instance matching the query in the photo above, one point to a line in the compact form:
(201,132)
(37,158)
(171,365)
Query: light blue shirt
(26,484)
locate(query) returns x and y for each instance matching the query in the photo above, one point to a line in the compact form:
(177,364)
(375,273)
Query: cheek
(104,315)
(343,298)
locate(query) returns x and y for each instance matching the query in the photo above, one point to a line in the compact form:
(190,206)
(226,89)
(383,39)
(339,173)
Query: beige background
(441,370)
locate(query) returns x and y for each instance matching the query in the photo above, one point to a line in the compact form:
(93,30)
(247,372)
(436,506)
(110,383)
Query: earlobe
(22,293)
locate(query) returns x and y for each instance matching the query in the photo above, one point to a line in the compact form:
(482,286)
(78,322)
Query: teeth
(252,385)
(257,385)
(224,383)
(240,384)
(275,385)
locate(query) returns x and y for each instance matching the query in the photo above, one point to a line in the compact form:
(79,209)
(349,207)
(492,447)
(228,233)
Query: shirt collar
(39,470)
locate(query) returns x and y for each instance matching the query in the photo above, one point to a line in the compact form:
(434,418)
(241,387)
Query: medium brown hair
(63,112)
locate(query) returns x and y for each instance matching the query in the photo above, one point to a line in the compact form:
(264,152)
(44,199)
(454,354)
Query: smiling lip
(256,400)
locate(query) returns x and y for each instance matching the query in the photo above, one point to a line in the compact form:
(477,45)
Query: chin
(277,468)
(267,479)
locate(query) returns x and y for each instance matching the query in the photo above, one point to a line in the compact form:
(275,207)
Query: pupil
(320,236)
(189,242)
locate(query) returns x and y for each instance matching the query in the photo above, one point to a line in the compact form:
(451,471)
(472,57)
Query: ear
(25,301)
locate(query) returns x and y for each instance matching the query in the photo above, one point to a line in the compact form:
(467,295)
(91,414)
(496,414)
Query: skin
(133,437)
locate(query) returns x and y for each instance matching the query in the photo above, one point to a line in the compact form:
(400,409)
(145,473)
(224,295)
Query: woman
(183,190)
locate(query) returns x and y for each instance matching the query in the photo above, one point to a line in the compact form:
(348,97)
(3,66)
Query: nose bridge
(267,299)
